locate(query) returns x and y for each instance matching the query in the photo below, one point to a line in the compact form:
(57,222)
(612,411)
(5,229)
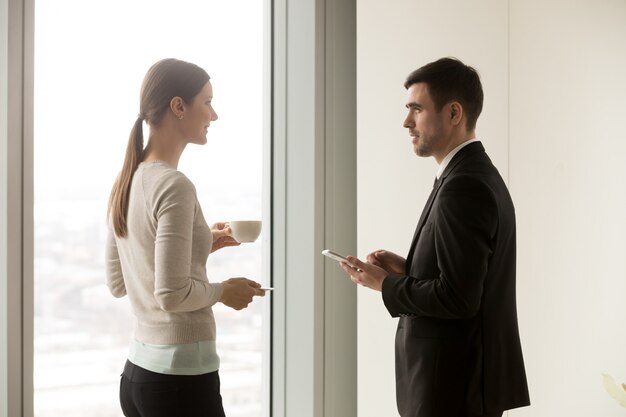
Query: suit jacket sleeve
(451,257)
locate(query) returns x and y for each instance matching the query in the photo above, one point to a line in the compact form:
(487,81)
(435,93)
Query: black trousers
(149,394)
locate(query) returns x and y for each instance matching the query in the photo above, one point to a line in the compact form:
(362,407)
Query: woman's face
(198,116)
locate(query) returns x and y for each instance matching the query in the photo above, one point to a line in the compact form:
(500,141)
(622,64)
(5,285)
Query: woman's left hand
(222,236)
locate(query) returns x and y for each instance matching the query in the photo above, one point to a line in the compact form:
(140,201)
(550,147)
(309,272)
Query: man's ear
(177,106)
(456,112)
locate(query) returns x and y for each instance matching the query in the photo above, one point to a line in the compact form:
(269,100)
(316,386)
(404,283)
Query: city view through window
(90,59)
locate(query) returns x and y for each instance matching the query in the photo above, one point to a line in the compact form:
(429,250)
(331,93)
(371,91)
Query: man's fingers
(356,263)
(371,258)
(346,267)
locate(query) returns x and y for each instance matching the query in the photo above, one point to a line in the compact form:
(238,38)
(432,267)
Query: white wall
(554,98)
(568,179)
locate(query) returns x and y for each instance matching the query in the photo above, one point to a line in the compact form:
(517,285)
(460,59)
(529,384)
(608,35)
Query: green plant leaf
(614,390)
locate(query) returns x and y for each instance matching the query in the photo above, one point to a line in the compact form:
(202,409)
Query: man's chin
(420,151)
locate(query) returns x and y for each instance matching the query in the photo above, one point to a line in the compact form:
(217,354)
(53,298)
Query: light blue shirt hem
(183,359)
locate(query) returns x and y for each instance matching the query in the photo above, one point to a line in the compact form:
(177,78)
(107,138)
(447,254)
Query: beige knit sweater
(161,263)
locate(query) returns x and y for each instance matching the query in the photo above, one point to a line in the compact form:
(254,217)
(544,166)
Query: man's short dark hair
(448,79)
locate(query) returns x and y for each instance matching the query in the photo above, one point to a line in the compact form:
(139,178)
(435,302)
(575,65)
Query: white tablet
(334,255)
(337,257)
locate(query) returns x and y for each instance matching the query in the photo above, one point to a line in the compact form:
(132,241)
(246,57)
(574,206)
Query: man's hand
(365,274)
(389,261)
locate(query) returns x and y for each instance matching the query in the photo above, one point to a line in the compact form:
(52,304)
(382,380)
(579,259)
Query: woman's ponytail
(118,201)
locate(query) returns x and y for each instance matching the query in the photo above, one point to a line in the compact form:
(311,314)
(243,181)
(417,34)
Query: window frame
(16,202)
(314,207)
(310,139)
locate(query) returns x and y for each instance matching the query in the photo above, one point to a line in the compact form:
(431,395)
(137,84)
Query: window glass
(90,59)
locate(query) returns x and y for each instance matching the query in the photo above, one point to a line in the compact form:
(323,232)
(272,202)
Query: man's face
(429,134)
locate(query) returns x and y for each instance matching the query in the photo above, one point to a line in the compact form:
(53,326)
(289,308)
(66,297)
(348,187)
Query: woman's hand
(238,292)
(222,236)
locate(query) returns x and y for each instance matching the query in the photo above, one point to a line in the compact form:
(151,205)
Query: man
(458,351)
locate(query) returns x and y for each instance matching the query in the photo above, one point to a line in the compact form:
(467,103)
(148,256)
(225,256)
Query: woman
(157,249)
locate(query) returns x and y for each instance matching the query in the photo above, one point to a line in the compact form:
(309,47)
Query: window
(90,59)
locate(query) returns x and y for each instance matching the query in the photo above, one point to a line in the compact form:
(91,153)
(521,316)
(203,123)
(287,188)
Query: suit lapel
(467,150)
(423,217)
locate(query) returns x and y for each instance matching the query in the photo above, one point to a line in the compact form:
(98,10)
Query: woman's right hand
(238,292)
(222,236)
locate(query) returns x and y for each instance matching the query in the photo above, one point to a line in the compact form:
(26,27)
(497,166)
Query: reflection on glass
(90,58)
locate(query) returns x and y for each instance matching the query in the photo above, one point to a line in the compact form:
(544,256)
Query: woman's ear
(177,106)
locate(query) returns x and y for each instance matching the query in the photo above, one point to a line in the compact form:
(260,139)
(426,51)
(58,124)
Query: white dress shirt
(450,155)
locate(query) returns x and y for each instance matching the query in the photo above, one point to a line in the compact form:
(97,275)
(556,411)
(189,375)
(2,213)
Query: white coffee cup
(245,230)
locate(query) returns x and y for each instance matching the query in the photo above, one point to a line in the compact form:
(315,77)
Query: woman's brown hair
(165,80)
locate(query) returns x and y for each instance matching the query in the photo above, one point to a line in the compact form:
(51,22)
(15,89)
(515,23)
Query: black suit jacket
(458,351)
